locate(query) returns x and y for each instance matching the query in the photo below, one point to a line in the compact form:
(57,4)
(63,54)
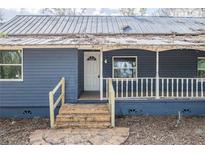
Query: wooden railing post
(109,92)
(112,102)
(63,91)
(51,103)
(113,110)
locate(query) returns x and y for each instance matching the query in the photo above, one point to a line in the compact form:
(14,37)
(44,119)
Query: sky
(11,12)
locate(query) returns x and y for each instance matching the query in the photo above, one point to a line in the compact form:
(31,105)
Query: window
(124,67)
(11,65)
(201,67)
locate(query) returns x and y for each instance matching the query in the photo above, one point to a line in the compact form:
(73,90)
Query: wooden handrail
(111,102)
(53,104)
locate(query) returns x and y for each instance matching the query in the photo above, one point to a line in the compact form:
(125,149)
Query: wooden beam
(154,48)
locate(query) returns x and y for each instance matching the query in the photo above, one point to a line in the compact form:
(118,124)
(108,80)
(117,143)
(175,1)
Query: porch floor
(90,95)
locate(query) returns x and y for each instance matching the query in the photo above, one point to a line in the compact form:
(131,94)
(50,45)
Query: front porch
(149,88)
(89,95)
(142,74)
(127,76)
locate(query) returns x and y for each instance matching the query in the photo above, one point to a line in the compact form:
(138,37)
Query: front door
(91,71)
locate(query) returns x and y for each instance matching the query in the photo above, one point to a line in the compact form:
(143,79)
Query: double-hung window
(11,65)
(124,67)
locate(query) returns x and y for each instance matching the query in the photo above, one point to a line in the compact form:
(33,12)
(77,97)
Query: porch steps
(83,116)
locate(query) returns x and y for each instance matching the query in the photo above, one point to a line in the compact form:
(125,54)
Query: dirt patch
(163,130)
(143,130)
(18,131)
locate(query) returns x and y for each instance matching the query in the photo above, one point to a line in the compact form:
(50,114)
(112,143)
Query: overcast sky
(11,12)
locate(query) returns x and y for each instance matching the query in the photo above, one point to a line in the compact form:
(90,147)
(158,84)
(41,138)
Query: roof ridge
(44,15)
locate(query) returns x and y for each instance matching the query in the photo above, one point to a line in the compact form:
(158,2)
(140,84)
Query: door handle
(98,76)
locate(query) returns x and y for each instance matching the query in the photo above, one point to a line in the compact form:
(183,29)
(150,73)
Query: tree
(177,12)
(143,11)
(64,11)
(133,11)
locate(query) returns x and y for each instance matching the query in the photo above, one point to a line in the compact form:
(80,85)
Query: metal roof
(101,25)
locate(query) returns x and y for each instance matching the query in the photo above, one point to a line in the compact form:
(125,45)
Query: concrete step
(81,117)
(83,125)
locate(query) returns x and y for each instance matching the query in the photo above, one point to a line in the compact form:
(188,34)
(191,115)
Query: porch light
(105,61)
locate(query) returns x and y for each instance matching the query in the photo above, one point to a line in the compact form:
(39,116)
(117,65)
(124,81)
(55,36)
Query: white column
(157,75)
(101,74)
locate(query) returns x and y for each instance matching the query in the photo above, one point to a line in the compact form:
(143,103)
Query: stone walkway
(113,136)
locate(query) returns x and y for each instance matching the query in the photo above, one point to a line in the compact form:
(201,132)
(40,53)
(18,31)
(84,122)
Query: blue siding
(80,72)
(43,68)
(146,61)
(179,63)
(24,112)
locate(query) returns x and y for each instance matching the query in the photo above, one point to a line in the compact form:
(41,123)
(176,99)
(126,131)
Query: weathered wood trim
(155,48)
(105,48)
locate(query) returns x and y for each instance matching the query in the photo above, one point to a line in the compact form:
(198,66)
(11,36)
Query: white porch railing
(131,88)
(181,87)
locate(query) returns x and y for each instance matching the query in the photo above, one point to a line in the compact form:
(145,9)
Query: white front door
(91,71)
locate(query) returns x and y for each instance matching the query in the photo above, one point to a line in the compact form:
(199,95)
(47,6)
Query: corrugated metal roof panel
(62,25)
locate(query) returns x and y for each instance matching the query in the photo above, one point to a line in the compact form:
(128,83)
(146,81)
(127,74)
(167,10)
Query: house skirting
(160,107)
(123,108)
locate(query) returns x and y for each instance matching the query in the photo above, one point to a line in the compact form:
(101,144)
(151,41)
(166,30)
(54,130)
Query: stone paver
(113,136)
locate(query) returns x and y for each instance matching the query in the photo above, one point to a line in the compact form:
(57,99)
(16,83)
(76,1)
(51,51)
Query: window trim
(22,67)
(136,67)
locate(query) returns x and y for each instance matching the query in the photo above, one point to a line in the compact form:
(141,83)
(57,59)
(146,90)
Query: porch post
(157,74)
(101,74)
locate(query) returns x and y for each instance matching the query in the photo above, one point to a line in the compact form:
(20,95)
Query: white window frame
(136,68)
(15,65)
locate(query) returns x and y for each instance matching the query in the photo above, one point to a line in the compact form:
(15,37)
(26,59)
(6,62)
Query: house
(145,65)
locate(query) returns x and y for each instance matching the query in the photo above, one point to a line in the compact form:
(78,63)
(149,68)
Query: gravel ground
(163,130)
(143,130)
(18,131)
